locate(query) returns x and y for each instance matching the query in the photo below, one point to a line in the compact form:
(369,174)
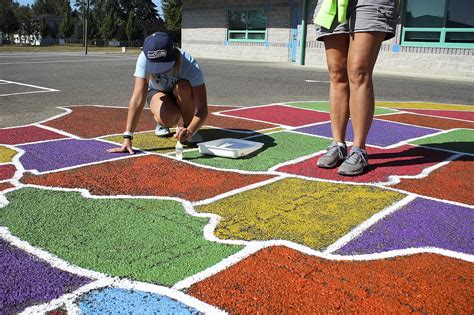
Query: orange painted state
(148,176)
(453,181)
(5,186)
(280,280)
(426,121)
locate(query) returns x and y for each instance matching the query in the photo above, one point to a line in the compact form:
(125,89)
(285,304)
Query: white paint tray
(229,147)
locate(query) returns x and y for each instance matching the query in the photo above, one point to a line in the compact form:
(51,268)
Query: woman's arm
(135,108)
(200,99)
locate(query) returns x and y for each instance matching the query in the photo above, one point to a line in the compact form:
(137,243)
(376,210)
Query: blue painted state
(124,301)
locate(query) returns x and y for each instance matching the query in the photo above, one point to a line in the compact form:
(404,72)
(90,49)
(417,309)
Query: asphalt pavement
(32,85)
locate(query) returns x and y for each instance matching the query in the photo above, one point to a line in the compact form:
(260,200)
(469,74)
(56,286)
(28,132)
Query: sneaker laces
(333,148)
(355,157)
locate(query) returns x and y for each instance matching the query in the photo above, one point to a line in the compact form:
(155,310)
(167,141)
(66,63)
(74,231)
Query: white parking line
(41,88)
(316,81)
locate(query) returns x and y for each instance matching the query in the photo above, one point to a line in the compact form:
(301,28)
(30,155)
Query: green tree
(53,7)
(172,12)
(43,27)
(109,28)
(131,27)
(67,24)
(9,22)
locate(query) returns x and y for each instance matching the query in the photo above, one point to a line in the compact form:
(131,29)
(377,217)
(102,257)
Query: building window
(438,23)
(247,25)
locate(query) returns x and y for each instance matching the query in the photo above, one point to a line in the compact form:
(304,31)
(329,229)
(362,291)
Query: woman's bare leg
(165,110)
(363,52)
(183,94)
(337,47)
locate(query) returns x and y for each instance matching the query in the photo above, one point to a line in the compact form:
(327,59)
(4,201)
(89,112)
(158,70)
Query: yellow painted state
(148,141)
(422,105)
(315,214)
(6,154)
(265,131)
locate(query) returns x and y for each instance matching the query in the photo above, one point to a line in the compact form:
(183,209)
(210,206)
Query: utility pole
(86,18)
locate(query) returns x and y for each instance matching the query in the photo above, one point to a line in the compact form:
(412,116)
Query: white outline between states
(254,247)
(402,111)
(422,102)
(70,300)
(364,226)
(47,257)
(402,252)
(224,114)
(391,179)
(435,116)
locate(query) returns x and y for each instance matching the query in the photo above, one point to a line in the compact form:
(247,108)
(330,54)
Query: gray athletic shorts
(363,16)
(150,94)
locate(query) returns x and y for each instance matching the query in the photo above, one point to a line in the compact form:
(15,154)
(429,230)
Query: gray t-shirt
(189,70)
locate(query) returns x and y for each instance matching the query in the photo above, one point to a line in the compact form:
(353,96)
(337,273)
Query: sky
(30,2)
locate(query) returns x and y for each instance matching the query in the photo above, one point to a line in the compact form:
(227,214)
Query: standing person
(172,83)
(352,31)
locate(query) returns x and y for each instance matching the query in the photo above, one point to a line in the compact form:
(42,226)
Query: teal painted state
(122,301)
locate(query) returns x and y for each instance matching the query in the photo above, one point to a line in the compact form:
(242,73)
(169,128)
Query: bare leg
(183,94)
(337,47)
(363,52)
(165,110)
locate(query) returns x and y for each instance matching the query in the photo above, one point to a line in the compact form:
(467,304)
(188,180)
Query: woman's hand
(126,147)
(183,134)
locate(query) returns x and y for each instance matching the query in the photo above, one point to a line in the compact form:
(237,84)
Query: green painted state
(146,240)
(278,148)
(461,140)
(148,141)
(315,214)
(6,154)
(324,107)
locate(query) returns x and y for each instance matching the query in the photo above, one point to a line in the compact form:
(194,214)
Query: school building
(434,37)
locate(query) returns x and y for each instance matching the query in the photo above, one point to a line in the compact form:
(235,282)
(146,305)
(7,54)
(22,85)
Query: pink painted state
(27,134)
(405,160)
(457,114)
(7,171)
(278,114)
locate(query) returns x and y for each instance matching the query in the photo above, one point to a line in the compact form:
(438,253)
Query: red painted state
(95,121)
(278,114)
(453,181)
(20,135)
(279,280)
(404,160)
(148,176)
(457,114)
(233,123)
(7,171)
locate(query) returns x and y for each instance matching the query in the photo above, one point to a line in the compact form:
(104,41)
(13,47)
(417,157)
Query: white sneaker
(162,131)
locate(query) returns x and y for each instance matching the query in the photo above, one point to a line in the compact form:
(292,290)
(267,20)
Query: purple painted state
(421,223)
(53,155)
(382,133)
(26,281)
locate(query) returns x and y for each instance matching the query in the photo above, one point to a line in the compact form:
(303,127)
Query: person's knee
(359,74)
(338,73)
(182,89)
(167,118)
(165,111)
